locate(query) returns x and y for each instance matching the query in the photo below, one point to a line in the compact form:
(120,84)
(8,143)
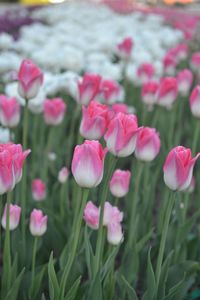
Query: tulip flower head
(178,168)
(9,111)
(145,72)
(119,183)
(195,62)
(184,81)
(14,216)
(167,92)
(91,215)
(63,175)
(124,48)
(149,93)
(88,88)
(110,92)
(38,223)
(38,190)
(30,79)
(111,214)
(195,102)
(114,233)
(54,111)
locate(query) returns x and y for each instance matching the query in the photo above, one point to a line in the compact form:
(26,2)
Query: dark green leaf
(12,294)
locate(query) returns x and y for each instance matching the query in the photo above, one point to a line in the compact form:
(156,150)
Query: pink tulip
(111,214)
(167,92)
(38,190)
(181,51)
(169,64)
(30,79)
(91,215)
(38,223)
(14,216)
(184,81)
(120,107)
(110,92)
(88,164)
(149,91)
(122,134)
(94,120)
(125,47)
(119,183)
(11,160)
(195,102)
(9,111)
(145,72)
(178,168)
(195,62)
(63,175)
(88,88)
(54,111)
(192,185)
(114,233)
(148,144)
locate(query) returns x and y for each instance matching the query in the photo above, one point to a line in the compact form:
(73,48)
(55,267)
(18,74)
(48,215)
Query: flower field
(99,148)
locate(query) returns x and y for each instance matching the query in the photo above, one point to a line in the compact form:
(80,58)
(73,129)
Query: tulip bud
(195,102)
(88,164)
(122,134)
(124,48)
(63,175)
(14,216)
(114,233)
(94,120)
(111,214)
(119,183)
(148,144)
(9,111)
(178,168)
(88,88)
(38,190)
(38,223)
(54,111)
(149,91)
(91,215)
(110,92)
(145,72)
(184,81)
(30,80)
(167,92)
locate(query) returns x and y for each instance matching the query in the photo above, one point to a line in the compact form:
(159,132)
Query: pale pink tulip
(119,183)
(149,93)
(63,175)
(111,214)
(114,233)
(38,223)
(167,92)
(9,111)
(91,215)
(195,102)
(110,92)
(88,88)
(38,190)
(54,111)
(14,216)
(184,81)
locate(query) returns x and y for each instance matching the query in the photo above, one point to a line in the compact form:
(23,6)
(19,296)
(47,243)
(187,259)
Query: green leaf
(95,290)
(14,268)
(144,240)
(129,289)
(73,291)
(13,292)
(36,284)
(164,275)
(53,281)
(151,282)
(175,290)
(88,252)
(109,262)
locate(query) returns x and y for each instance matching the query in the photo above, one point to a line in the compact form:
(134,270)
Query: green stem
(196,137)
(63,200)
(163,239)
(75,240)
(98,252)
(46,159)
(34,257)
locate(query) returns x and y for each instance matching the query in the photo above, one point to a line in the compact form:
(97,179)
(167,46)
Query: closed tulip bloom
(30,79)
(122,134)
(11,160)
(169,64)
(88,164)
(149,93)
(88,88)
(114,233)
(195,62)
(119,183)
(9,111)
(184,81)
(38,223)
(145,72)
(195,102)
(54,111)
(167,92)
(91,215)
(38,189)
(14,216)
(94,120)
(63,175)
(124,48)
(110,92)
(178,168)
(111,214)
(192,185)
(148,144)
(181,51)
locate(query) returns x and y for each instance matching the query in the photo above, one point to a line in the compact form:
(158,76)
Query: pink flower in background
(145,72)
(119,183)
(63,175)
(124,48)
(91,215)
(169,64)
(114,233)
(195,62)
(111,214)
(149,93)
(120,107)
(94,120)
(182,51)
(14,216)
(110,92)
(38,189)
(38,223)
(122,134)
(195,102)
(88,88)
(11,161)
(88,164)
(184,81)
(167,92)
(30,79)
(148,144)
(9,111)
(54,111)
(178,168)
